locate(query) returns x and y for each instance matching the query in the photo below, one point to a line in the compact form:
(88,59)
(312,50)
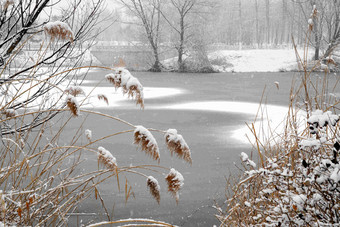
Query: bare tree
(20,23)
(182,9)
(148,12)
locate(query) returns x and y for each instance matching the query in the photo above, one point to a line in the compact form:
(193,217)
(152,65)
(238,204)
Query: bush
(297,181)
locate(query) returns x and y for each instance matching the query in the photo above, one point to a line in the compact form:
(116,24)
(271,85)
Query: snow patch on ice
(273,122)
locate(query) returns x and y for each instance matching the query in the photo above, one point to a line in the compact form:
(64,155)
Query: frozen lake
(208,110)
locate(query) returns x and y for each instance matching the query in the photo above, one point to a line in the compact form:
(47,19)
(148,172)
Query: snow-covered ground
(251,60)
(257,60)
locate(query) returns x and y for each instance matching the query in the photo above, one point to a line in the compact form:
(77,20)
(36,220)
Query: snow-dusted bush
(297,180)
(306,193)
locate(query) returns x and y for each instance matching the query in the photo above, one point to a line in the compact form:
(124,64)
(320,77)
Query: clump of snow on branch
(176,144)
(122,78)
(147,142)
(59,30)
(106,158)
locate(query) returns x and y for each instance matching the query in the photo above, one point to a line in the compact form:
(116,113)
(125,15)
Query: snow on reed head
(147,142)
(105,158)
(9,113)
(154,188)
(74,91)
(175,182)
(88,134)
(122,78)
(59,30)
(176,144)
(73,104)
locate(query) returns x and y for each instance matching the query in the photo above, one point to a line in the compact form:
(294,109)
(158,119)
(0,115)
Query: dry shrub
(297,182)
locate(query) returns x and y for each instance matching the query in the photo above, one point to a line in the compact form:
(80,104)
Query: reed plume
(104,98)
(154,188)
(147,142)
(130,85)
(175,182)
(9,113)
(59,30)
(176,144)
(74,91)
(106,158)
(73,104)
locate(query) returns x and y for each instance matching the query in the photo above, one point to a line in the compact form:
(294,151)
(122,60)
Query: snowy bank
(255,60)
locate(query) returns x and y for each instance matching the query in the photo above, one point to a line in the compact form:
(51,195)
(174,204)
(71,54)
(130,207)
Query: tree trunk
(284,11)
(316,38)
(257,23)
(157,66)
(267,22)
(240,24)
(181,66)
